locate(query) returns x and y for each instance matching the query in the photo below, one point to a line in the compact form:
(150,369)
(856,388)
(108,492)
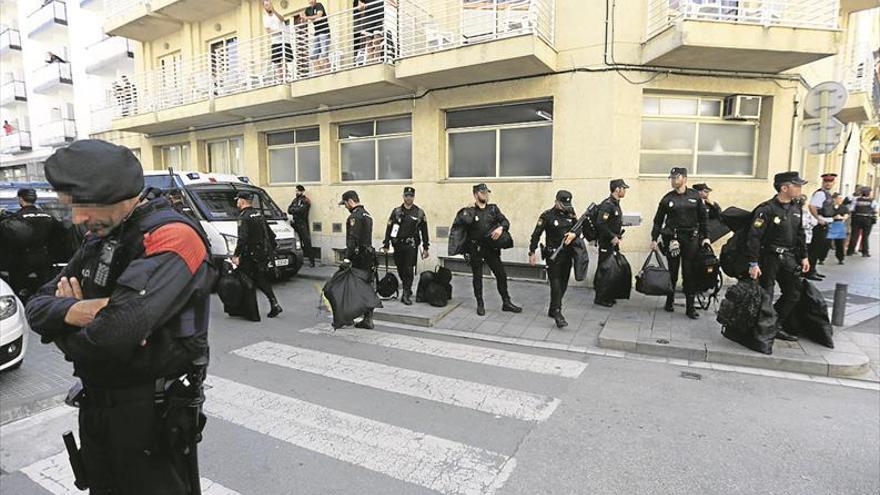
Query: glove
(674,248)
(346,264)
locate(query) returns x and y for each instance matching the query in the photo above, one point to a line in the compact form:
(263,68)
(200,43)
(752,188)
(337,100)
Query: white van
(210,198)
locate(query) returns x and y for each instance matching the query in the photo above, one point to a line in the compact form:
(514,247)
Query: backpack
(388,285)
(435,287)
(588,228)
(734,260)
(709,280)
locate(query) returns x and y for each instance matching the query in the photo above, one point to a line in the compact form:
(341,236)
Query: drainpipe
(794,117)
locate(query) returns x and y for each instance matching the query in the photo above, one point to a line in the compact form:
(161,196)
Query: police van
(210,198)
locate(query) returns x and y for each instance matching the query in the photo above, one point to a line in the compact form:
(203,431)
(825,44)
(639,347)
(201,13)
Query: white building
(47,105)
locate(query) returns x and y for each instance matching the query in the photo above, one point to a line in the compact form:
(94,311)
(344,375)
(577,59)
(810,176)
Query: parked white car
(14,329)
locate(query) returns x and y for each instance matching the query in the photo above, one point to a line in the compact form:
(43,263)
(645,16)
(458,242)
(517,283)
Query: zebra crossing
(426,456)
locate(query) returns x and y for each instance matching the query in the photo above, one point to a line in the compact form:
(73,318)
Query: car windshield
(218,202)
(162,182)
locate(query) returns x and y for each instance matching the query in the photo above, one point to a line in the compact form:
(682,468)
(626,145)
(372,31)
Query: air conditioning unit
(742,107)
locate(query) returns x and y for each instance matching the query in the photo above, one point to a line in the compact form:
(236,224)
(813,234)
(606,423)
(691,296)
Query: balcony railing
(19,142)
(859,77)
(50,13)
(108,52)
(812,14)
(455,23)
(102,118)
(12,91)
(51,75)
(57,132)
(10,39)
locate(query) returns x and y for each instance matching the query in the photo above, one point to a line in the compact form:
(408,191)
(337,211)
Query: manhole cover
(662,341)
(691,376)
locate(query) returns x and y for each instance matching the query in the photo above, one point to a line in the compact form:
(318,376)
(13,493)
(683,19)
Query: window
(377,149)
(176,156)
(294,156)
(501,141)
(689,131)
(224,156)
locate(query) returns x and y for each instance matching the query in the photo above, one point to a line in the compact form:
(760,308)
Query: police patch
(776,220)
(351,221)
(605,216)
(759,222)
(540,221)
(671,204)
(556,223)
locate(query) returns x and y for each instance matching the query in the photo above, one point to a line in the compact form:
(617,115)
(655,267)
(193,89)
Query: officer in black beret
(777,247)
(299,219)
(255,249)
(681,221)
(131,311)
(359,251)
(407,230)
(609,228)
(556,225)
(32,251)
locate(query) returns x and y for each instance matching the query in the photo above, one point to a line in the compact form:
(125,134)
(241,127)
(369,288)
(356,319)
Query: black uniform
(864,215)
(480,248)
(359,239)
(33,262)
(713,210)
(554,224)
(609,224)
(407,230)
(155,270)
(777,243)
(682,217)
(299,218)
(254,249)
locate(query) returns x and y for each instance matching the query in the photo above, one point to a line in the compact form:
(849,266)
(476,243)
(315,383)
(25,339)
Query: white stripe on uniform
(485,398)
(443,465)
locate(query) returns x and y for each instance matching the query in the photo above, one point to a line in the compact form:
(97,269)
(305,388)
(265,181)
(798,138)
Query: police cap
(245,195)
(481,187)
(349,195)
(300,187)
(702,186)
(409,191)
(92,171)
(682,171)
(828,176)
(564,197)
(28,194)
(788,178)
(614,184)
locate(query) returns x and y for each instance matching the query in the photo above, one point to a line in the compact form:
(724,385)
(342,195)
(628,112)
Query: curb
(29,409)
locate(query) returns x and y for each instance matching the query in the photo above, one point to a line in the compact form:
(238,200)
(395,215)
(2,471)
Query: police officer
(407,229)
(34,260)
(488,225)
(253,251)
(609,227)
(864,215)
(713,210)
(131,311)
(776,245)
(299,218)
(556,224)
(681,220)
(822,208)
(359,252)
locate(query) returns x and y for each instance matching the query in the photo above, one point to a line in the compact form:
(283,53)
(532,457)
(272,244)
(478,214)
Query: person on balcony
(276,28)
(7,128)
(374,29)
(51,58)
(317,15)
(360,36)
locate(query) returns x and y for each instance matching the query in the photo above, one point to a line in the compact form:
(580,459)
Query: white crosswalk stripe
(439,464)
(55,475)
(462,352)
(486,398)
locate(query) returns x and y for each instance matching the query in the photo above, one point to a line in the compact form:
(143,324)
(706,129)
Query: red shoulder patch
(177,238)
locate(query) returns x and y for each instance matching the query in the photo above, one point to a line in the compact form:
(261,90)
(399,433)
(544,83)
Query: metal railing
(57,132)
(10,38)
(52,74)
(49,13)
(814,14)
(101,118)
(117,9)
(17,142)
(859,76)
(426,28)
(12,90)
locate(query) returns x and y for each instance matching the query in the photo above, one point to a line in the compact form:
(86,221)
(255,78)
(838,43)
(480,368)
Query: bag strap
(656,256)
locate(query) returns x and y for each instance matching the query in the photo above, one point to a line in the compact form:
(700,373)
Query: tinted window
(537,111)
(161,181)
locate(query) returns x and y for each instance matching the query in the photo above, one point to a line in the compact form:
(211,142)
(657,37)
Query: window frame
(181,147)
(375,138)
(228,140)
(497,128)
(295,146)
(697,120)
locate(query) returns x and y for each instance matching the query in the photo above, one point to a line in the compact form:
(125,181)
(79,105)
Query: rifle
(577,226)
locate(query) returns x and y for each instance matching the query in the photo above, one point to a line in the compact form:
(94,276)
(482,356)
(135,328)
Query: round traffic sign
(829,95)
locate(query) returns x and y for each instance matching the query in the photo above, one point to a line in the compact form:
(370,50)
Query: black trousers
(861,228)
(405,258)
(687,262)
(257,271)
(819,246)
(605,251)
(839,249)
(785,270)
(28,273)
(559,272)
(478,254)
(305,238)
(115,441)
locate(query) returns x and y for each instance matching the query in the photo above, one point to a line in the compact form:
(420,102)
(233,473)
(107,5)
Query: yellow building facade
(529,96)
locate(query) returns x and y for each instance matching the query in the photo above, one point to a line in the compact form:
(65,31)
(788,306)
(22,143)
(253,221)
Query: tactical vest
(827,209)
(863,207)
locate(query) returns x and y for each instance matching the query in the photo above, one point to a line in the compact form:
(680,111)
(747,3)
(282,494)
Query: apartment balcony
(110,56)
(13,144)
(860,81)
(12,92)
(10,41)
(48,22)
(451,42)
(146,20)
(850,6)
(52,78)
(58,132)
(767,36)
(101,119)
(96,6)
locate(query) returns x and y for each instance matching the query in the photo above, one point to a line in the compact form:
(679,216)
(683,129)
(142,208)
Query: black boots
(312,262)
(276,309)
(510,307)
(560,320)
(481,308)
(406,298)
(670,304)
(366,322)
(691,310)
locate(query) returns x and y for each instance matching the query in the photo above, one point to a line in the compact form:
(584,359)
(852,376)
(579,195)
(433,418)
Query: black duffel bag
(613,278)
(654,280)
(387,286)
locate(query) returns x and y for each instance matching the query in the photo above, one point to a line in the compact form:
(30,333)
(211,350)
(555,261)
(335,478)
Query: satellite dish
(834,95)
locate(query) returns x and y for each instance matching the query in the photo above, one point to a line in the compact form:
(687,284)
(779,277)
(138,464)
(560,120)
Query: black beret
(95,171)
(28,194)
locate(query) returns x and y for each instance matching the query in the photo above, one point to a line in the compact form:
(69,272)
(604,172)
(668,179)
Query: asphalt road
(294,408)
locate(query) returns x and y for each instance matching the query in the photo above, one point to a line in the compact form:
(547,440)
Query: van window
(218,203)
